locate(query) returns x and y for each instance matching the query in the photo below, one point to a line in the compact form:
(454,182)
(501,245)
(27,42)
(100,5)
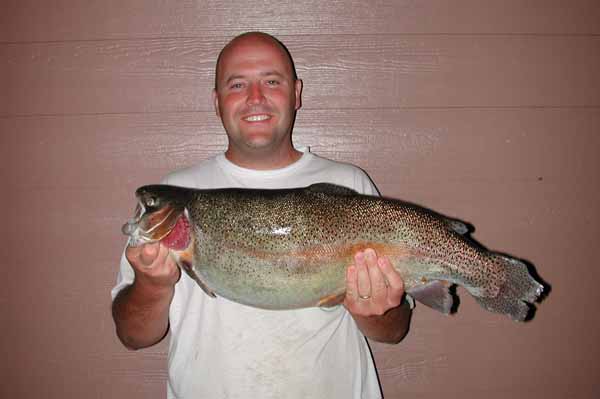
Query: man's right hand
(141,310)
(153,265)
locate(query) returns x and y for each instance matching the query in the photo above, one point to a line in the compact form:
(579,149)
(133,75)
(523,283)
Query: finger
(163,254)
(362,272)
(394,279)
(390,274)
(378,284)
(164,261)
(170,266)
(148,253)
(164,268)
(132,254)
(351,283)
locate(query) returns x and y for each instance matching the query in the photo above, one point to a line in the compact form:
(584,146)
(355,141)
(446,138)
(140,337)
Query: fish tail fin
(518,290)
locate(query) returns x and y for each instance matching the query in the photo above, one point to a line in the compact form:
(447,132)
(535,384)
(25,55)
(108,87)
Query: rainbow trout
(289,248)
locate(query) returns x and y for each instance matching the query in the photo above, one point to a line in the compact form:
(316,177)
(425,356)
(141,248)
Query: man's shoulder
(324,163)
(194,175)
(338,167)
(326,170)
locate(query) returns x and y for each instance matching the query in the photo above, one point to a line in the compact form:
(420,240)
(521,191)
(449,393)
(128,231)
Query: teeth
(257,118)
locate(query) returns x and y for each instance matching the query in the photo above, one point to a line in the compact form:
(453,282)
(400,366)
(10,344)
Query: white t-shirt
(221,349)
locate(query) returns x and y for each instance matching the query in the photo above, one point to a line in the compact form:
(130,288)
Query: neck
(263,161)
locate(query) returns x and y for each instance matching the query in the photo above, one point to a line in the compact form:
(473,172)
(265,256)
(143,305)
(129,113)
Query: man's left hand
(373,286)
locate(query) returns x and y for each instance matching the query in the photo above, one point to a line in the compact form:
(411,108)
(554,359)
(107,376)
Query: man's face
(256,96)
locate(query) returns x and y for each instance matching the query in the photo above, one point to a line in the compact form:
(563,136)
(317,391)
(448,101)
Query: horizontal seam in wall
(220,39)
(483,108)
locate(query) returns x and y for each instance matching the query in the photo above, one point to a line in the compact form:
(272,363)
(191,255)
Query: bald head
(249,39)
(256,96)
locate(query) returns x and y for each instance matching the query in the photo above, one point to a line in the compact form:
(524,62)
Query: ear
(298,91)
(215,96)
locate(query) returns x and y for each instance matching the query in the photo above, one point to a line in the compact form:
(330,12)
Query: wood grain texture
(447,159)
(488,111)
(437,357)
(397,147)
(378,71)
(439,354)
(30,20)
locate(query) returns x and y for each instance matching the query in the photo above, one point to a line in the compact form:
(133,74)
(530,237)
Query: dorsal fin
(329,188)
(457,226)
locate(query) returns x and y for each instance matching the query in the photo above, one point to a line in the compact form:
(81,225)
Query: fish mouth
(150,226)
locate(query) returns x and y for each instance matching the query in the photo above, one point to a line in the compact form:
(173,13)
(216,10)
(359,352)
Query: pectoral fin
(184,260)
(332,300)
(187,267)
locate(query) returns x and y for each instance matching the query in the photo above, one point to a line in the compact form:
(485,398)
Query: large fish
(289,248)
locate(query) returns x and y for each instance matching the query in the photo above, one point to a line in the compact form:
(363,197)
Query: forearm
(141,315)
(391,327)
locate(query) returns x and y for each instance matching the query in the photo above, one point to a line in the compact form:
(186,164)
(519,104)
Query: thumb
(148,253)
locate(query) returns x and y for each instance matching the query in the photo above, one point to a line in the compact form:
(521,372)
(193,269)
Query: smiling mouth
(257,118)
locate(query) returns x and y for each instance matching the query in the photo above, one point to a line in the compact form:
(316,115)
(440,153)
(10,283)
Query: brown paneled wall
(484,110)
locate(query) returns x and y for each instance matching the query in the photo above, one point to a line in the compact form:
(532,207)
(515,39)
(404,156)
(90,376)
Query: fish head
(159,210)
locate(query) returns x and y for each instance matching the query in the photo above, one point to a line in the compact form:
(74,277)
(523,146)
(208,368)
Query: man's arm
(374,298)
(141,310)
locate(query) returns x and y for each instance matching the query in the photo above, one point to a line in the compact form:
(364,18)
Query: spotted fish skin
(286,249)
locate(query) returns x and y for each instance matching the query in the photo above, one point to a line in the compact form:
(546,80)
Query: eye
(151,202)
(272,82)
(236,86)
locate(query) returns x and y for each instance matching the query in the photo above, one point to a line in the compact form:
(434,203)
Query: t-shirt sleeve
(363,183)
(125,276)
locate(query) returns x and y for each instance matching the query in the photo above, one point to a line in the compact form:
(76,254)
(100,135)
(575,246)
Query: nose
(255,94)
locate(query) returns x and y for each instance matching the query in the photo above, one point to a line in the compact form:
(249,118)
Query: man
(221,349)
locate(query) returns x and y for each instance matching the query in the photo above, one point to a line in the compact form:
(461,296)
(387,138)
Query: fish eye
(151,202)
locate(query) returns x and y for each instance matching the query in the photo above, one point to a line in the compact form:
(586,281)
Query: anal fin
(434,294)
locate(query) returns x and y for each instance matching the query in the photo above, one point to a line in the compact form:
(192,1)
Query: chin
(259,141)
(259,145)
